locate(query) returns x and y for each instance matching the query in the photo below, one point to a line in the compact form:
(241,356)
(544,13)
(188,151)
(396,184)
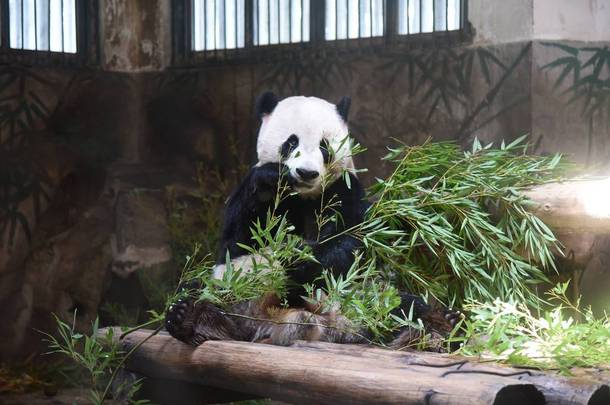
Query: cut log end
(601,396)
(522,394)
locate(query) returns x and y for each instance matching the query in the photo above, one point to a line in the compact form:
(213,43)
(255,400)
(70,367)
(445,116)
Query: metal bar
(463,13)
(421,18)
(336,19)
(408,16)
(23,25)
(358,19)
(62,26)
(5,41)
(279,29)
(192,28)
(347,35)
(248,23)
(49,26)
(35,25)
(371,16)
(236,23)
(205,24)
(433,15)
(446,15)
(258,24)
(268,12)
(81,28)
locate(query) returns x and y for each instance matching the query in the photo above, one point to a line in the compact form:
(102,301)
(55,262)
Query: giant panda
(306,141)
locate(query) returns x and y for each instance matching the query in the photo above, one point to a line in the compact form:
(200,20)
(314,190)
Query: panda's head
(308,135)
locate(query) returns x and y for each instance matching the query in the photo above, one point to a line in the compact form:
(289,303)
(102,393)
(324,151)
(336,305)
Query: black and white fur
(304,140)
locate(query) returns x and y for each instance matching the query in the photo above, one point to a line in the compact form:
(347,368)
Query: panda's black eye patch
(289,145)
(326,152)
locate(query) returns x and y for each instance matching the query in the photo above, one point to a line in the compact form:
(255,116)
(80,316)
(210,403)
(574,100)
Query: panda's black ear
(343,107)
(265,104)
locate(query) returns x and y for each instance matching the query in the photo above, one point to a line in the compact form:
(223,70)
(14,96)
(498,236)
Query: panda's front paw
(176,319)
(453,317)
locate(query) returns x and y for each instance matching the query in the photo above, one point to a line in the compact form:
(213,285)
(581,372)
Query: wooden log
(573,206)
(313,376)
(557,390)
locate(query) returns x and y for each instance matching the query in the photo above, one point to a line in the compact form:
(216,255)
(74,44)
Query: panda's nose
(307,174)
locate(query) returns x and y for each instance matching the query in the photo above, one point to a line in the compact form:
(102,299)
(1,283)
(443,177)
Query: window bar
(206,34)
(258,24)
(463,13)
(4,26)
(371,16)
(446,15)
(421,13)
(347,34)
(408,17)
(336,19)
(214,25)
(62,26)
(192,29)
(49,26)
(268,22)
(433,15)
(22,25)
(224,25)
(360,27)
(35,27)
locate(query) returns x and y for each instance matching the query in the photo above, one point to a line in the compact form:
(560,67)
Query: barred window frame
(184,55)
(87,47)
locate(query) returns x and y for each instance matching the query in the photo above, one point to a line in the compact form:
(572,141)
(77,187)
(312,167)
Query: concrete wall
(501,21)
(576,20)
(135,35)
(498,21)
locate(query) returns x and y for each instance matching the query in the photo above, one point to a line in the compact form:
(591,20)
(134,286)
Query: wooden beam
(322,373)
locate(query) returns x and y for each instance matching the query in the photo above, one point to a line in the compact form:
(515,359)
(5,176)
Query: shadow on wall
(87,155)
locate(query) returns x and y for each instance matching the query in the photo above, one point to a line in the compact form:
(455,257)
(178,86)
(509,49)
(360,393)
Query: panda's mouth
(306,187)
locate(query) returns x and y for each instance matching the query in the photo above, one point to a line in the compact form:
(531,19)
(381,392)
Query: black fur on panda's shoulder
(255,195)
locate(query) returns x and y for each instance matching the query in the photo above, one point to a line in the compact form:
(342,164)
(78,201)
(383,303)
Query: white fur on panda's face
(313,122)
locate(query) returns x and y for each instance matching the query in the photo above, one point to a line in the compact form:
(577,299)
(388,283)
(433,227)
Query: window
(49,32)
(217,24)
(43,25)
(220,24)
(281,21)
(421,16)
(221,29)
(353,19)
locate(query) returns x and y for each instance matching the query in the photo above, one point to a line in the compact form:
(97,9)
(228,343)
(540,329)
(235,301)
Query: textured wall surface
(135,34)
(92,158)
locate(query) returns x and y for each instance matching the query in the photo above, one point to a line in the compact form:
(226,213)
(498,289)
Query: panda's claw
(175,317)
(453,316)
